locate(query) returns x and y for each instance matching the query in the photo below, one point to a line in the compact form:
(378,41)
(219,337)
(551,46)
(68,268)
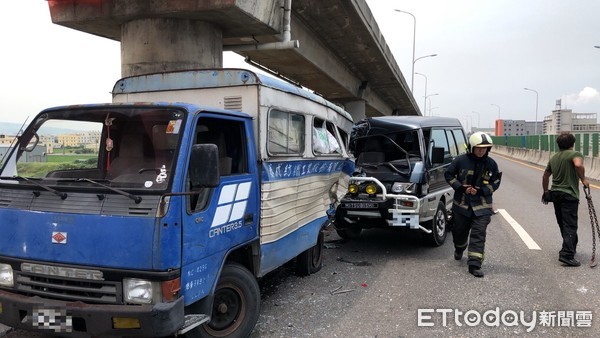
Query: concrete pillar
(165,44)
(356,109)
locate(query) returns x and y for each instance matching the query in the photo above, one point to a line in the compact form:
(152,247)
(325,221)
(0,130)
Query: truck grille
(67,289)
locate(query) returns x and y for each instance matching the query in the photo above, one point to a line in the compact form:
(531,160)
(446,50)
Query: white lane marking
(531,244)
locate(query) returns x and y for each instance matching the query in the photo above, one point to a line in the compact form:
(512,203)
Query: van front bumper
(78,319)
(396,210)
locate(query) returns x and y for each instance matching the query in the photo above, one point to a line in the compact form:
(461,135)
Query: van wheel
(349,233)
(236,305)
(438,226)
(311,260)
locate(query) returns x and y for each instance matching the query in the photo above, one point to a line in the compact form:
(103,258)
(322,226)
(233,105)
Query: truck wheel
(236,305)
(438,226)
(311,260)
(349,233)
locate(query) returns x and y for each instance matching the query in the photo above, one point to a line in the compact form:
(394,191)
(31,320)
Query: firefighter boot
(475,271)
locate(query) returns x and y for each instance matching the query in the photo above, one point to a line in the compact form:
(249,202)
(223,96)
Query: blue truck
(183,191)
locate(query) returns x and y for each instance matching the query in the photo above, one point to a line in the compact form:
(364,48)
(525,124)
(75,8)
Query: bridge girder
(342,54)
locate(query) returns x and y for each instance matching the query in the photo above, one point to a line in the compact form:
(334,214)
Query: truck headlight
(6,275)
(140,291)
(405,187)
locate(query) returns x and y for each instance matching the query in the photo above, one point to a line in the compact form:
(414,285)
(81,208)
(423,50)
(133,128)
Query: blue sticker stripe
(275,171)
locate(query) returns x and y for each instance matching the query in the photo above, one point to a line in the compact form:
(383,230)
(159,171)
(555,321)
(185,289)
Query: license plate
(360,205)
(52,319)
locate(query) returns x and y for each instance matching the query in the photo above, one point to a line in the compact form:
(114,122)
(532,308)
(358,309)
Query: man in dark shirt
(566,168)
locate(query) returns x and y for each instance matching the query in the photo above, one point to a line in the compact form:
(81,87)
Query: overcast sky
(487,52)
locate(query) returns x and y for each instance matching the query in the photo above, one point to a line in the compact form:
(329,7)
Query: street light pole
(422,57)
(412,80)
(470,118)
(426,97)
(497,106)
(424,103)
(478,116)
(536,107)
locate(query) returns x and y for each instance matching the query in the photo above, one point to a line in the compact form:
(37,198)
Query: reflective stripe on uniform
(462,246)
(478,255)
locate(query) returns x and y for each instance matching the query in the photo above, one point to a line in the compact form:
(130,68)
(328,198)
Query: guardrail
(587,143)
(538,149)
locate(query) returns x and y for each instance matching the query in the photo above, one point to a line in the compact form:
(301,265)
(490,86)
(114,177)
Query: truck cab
(157,216)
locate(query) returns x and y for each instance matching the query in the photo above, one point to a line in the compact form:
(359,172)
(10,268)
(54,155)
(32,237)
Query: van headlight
(6,275)
(141,291)
(403,187)
(371,189)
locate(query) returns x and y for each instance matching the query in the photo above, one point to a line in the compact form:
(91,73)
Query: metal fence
(587,143)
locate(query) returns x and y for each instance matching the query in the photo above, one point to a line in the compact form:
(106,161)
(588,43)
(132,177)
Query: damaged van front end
(398,182)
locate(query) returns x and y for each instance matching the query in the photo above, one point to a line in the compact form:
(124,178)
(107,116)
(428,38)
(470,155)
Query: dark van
(399,180)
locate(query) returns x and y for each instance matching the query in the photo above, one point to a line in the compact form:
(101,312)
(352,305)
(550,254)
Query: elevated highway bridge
(333,47)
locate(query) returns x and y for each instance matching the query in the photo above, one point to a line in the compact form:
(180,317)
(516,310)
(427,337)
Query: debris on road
(360,263)
(337,291)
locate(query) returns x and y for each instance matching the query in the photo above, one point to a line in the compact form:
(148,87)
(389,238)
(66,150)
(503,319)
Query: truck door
(218,219)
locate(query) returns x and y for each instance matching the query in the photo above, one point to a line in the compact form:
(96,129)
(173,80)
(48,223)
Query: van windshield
(394,150)
(120,147)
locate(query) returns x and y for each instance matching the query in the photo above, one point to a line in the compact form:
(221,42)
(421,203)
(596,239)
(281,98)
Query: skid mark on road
(531,244)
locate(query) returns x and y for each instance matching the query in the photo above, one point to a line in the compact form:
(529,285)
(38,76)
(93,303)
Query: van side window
(324,140)
(286,133)
(461,142)
(440,140)
(453,145)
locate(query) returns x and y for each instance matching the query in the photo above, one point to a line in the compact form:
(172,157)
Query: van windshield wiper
(62,195)
(136,198)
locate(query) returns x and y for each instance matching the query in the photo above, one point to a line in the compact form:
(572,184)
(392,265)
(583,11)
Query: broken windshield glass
(395,151)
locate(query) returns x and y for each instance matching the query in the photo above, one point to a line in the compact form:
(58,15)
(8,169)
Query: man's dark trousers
(565,209)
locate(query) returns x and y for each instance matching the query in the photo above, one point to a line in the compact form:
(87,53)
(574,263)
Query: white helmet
(480,139)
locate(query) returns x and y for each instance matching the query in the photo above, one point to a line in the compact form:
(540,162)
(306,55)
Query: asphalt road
(389,284)
(393,275)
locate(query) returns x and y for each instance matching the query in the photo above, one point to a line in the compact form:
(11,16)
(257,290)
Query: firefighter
(474,176)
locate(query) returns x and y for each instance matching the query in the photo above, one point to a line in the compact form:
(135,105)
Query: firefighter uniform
(472,212)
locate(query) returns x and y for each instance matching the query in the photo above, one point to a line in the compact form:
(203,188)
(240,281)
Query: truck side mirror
(204,166)
(437,155)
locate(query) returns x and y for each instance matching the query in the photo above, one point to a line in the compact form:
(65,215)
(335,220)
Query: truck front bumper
(78,319)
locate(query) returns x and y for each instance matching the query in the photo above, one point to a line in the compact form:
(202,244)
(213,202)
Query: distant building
(70,140)
(560,120)
(3,150)
(517,127)
(565,120)
(489,131)
(38,154)
(6,140)
(79,139)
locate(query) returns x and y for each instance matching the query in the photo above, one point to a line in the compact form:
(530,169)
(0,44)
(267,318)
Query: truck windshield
(120,147)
